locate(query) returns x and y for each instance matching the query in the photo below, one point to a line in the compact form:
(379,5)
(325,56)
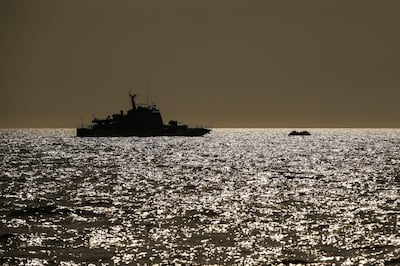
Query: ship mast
(133,101)
(147,92)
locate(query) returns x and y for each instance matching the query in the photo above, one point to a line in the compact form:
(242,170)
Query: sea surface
(233,197)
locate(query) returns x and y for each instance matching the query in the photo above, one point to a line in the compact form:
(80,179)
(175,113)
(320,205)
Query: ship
(139,121)
(299,133)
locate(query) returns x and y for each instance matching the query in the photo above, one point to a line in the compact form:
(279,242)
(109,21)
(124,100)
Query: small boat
(299,133)
(140,121)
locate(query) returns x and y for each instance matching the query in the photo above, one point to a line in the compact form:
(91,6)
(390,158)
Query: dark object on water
(295,261)
(140,121)
(299,133)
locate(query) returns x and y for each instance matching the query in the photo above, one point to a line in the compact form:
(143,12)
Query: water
(238,196)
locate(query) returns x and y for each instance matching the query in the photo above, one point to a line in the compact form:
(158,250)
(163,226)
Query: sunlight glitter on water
(236,196)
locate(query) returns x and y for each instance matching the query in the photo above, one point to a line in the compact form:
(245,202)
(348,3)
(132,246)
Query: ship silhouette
(299,133)
(140,121)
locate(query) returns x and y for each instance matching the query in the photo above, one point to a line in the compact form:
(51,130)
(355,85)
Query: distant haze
(224,63)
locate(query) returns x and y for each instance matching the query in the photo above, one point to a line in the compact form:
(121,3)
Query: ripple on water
(234,196)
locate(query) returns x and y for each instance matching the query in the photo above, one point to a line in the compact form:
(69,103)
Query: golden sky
(217,63)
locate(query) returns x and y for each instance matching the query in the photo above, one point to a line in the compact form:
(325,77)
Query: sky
(214,63)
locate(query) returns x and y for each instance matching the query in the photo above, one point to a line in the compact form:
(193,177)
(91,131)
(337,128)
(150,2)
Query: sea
(232,197)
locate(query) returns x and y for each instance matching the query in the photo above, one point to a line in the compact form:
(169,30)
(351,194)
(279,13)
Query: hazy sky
(218,63)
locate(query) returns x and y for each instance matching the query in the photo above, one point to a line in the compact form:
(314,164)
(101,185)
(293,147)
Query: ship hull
(187,132)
